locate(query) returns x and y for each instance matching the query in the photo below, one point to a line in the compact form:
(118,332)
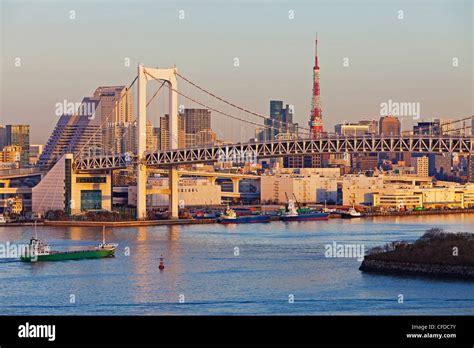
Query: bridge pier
(173,186)
(141,191)
(144,75)
(140,167)
(235,185)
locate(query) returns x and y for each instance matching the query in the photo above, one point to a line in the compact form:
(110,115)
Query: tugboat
(230,217)
(39,250)
(351,213)
(292,214)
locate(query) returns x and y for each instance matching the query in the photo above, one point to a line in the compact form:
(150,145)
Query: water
(274,261)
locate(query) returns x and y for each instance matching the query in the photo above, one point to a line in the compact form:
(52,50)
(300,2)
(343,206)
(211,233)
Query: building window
(91,200)
(91,180)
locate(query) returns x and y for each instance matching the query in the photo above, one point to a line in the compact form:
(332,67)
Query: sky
(423,55)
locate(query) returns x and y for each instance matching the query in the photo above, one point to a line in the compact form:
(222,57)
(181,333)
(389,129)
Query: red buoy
(162,265)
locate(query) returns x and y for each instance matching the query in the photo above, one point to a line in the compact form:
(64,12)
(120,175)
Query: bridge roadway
(278,148)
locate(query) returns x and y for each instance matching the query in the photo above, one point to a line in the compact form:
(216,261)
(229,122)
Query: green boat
(38,250)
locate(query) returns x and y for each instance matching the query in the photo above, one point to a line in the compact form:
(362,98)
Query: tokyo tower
(316,118)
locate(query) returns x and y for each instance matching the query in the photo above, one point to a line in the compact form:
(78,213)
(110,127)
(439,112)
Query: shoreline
(134,223)
(437,271)
(131,223)
(422,212)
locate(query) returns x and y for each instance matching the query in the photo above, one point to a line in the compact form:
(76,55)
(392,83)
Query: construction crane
(297,203)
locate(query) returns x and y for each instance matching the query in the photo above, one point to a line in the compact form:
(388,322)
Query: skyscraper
(19,135)
(165,136)
(116,114)
(197,120)
(72,134)
(2,137)
(421,165)
(198,127)
(280,123)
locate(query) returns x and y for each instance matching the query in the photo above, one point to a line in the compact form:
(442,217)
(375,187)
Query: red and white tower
(316,118)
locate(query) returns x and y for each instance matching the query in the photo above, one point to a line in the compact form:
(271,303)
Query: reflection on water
(275,259)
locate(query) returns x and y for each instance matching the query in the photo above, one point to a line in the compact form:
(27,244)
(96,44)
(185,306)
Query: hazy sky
(406,60)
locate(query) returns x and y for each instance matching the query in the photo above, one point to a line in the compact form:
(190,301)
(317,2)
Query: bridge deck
(278,148)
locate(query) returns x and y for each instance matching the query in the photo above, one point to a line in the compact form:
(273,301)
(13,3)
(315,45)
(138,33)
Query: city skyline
(264,72)
(261,158)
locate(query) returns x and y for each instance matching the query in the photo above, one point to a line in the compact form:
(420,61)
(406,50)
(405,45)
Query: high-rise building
(280,123)
(157,135)
(151,138)
(449,126)
(364,162)
(2,137)
(389,125)
(19,135)
(72,134)
(165,136)
(205,137)
(35,153)
(427,127)
(116,104)
(116,114)
(421,165)
(198,127)
(439,126)
(197,120)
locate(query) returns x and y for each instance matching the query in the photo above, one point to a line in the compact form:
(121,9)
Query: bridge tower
(145,75)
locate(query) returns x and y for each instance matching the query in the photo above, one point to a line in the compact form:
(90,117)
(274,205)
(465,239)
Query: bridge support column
(141,168)
(235,185)
(144,75)
(173,186)
(141,191)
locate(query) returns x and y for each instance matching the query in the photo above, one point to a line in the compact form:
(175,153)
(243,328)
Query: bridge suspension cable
(221,112)
(237,106)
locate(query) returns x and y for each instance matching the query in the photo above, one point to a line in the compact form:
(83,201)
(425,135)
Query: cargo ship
(38,250)
(293,214)
(230,217)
